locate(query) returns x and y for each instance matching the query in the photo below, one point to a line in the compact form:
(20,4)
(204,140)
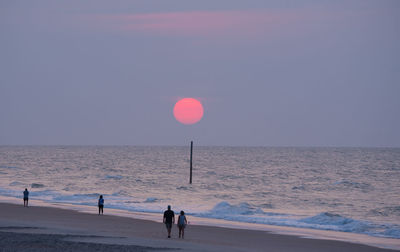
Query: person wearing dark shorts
(26,197)
(101,204)
(168,220)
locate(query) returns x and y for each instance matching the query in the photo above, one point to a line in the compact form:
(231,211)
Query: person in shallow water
(101,204)
(169,219)
(182,224)
(26,197)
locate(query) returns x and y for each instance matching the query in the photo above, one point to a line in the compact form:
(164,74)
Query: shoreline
(61,219)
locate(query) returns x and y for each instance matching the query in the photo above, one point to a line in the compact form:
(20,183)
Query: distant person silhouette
(26,197)
(169,219)
(101,204)
(182,222)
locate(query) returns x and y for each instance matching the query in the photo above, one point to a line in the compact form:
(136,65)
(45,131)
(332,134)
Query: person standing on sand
(169,219)
(26,197)
(101,204)
(182,222)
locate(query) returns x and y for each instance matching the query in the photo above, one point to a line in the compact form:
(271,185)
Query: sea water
(343,189)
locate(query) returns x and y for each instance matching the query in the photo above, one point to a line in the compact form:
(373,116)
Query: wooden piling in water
(191,156)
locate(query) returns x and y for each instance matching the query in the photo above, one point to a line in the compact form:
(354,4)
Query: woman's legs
(180,230)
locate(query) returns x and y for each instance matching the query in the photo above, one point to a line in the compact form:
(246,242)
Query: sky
(268,73)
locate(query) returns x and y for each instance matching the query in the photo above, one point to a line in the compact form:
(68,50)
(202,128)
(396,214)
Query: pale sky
(269,73)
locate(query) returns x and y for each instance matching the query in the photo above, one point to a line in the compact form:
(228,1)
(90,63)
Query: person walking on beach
(182,222)
(169,219)
(101,204)
(26,197)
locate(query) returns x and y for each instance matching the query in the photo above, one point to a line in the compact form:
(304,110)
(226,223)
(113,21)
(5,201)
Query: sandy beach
(47,228)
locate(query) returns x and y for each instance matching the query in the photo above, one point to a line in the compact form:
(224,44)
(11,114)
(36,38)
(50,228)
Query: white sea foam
(242,212)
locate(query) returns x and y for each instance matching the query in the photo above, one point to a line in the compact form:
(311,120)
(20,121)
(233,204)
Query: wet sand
(53,229)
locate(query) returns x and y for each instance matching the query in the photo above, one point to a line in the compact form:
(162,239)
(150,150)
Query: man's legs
(169,226)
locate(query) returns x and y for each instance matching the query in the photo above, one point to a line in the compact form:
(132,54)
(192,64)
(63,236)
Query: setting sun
(188,111)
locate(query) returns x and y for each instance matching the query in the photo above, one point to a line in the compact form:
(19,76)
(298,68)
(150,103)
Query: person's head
(169,207)
(182,213)
(101,196)
(26,189)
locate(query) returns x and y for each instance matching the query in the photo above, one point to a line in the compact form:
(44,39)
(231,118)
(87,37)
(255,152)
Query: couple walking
(169,219)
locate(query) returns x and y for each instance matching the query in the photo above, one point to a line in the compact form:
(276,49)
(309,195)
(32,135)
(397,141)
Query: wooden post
(191,155)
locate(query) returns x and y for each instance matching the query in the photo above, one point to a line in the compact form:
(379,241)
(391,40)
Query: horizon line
(212,145)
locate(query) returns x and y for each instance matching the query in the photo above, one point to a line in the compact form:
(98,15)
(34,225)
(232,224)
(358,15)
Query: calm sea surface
(346,189)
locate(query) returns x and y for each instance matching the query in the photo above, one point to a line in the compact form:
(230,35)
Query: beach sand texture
(53,229)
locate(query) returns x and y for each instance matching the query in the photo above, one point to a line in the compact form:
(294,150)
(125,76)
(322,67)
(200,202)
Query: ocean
(353,190)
